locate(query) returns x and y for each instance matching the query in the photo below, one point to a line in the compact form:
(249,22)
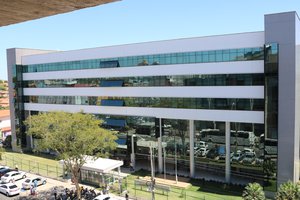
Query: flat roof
(101,165)
(4,113)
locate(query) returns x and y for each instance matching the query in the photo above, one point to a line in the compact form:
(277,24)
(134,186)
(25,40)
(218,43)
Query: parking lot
(47,187)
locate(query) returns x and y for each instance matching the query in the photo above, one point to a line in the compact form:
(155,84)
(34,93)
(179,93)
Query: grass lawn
(42,164)
(47,166)
(207,191)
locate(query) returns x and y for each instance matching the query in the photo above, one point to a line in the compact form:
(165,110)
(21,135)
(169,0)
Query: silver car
(32,181)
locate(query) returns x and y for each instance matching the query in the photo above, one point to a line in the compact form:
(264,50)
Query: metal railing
(31,166)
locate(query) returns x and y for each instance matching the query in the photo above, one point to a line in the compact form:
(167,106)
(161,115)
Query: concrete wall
(281,28)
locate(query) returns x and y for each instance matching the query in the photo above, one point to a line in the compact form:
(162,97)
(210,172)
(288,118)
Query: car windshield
(6,175)
(12,186)
(27,181)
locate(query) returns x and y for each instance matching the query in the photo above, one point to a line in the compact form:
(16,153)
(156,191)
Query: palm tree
(253,191)
(288,191)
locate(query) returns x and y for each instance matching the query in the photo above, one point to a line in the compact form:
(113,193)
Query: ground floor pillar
(192,143)
(159,145)
(227,160)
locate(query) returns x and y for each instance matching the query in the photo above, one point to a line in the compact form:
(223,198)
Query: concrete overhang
(16,11)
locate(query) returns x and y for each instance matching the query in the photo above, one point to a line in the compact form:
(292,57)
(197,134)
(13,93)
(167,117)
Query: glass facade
(224,55)
(253,147)
(247,152)
(271,116)
(187,80)
(209,148)
(19,105)
(189,103)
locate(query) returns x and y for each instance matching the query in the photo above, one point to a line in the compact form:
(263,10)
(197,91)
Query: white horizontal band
(217,42)
(167,113)
(237,67)
(255,92)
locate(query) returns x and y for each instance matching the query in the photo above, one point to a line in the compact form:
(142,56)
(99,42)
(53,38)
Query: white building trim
(255,92)
(218,42)
(237,67)
(168,113)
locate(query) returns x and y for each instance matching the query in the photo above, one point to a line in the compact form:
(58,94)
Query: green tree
(180,130)
(2,150)
(73,136)
(253,191)
(288,191)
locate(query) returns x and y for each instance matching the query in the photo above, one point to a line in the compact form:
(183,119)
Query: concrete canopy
(16,11)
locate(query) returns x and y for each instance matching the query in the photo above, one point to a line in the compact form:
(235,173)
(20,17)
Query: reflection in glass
(158,59)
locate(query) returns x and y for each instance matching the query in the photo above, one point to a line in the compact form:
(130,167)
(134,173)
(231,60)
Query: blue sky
(133,21)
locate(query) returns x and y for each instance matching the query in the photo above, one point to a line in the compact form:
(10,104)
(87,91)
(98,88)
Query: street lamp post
(164,163)
(175,160)
(151,163)
(152,173)
(132,152)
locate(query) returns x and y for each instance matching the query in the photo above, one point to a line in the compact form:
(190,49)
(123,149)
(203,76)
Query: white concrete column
(192,141)
(227,143)
(132,156)
(159,141)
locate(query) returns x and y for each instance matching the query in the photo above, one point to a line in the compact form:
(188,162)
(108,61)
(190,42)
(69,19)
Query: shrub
(253,191)
(288,191)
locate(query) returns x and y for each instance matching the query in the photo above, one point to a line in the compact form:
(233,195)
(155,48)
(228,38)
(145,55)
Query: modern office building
(224,107)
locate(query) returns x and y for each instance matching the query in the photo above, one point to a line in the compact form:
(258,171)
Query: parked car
(195,150)
(4,171)
(222,153)
(248,150)
(13,176)
(201,152)
(213,153)
(9,189)
(249,158)
(104,197)
(202,144)
(260,160)
(3,167)
(237,156)
(30,181)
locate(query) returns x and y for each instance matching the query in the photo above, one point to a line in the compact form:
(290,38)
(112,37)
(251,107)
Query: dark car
(212,154)
(4,171)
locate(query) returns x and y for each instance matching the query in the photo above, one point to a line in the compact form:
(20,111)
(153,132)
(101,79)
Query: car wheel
(23,176)
(7,194)
(44,182)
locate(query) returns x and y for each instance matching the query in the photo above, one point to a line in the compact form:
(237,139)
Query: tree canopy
(72,136)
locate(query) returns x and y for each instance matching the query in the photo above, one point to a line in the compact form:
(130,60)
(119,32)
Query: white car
(9,189)
(31,181)
(13,176)
(104,197)
(202,144)
(201,152)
